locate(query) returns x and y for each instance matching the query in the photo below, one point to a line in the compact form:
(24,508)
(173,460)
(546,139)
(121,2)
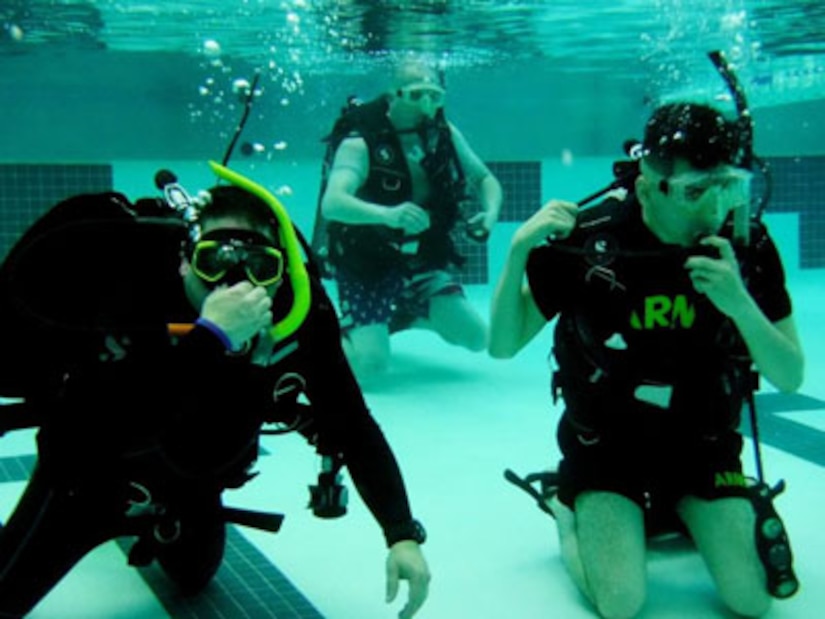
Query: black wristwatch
(410,530)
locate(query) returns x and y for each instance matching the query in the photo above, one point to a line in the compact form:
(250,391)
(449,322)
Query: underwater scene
(506,239)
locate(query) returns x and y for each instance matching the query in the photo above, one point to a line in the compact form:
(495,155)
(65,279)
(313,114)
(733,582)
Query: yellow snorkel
(298,276)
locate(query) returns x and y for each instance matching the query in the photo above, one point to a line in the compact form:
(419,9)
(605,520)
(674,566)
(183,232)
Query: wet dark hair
(232,201)
(694,132)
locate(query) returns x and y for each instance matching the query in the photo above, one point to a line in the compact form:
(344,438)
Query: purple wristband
(216,330)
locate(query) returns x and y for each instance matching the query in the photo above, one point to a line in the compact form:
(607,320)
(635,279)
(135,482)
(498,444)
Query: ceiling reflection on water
(585,35)
(188,54)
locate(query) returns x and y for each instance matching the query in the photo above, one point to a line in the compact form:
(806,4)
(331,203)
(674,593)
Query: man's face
(691,204)
(418,92)
(230,251)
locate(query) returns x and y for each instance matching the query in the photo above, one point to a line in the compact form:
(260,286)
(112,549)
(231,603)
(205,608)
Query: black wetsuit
(650,371)
(177,419)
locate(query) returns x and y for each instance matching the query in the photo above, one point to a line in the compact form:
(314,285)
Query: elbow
(797,376)
(327,206)
(788,386)
(791,380)
(331,205)
(501,351)
(791,383)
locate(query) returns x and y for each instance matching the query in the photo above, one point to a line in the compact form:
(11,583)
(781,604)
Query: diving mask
(232,255)
(727,186)
(427,96)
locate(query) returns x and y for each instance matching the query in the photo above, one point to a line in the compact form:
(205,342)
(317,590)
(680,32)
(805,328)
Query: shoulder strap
(355,117)
(591,238)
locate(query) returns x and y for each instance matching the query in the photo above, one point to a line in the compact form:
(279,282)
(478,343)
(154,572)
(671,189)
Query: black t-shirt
(633,297)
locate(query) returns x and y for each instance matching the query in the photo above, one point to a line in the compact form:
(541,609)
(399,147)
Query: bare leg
(612,548)
(457,322)
(723,530)
(569,545)
(368,350)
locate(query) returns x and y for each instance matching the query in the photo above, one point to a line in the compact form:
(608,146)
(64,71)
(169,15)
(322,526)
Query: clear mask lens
(429,95)
(729,188)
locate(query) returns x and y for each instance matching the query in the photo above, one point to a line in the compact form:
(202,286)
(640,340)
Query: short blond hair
(414,72)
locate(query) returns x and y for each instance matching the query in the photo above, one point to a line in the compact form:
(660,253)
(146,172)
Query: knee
(747,603)
(370,366)
(191,575)
(620,603)
(472,336)
(192,561)
(477,342)
(190,585)
(367,362)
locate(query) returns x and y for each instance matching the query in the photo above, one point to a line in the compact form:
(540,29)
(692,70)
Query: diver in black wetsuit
(144,426)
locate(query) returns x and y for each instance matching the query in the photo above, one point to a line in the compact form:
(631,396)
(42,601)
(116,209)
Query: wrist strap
(216,331)
(410,530)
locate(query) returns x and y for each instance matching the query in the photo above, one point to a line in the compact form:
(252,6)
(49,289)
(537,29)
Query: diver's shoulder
(612,213)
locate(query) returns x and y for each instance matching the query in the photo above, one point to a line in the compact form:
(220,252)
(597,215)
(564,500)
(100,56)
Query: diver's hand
(240,311)
(409,217)
(719,278)
(479,226)
(406,562)
(555,220)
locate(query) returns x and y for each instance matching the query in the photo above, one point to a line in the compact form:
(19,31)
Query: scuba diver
(396,184)
(663,305)
(153,350)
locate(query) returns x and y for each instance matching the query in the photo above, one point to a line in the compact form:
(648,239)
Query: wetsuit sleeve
(345,425)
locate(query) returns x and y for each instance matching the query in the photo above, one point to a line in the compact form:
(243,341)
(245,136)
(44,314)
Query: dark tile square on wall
(521,186)
(29,190)
(798,186)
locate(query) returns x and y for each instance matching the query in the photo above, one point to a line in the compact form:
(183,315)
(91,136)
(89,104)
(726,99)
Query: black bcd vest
(371,251)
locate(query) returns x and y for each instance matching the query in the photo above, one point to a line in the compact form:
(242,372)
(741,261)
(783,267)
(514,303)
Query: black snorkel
(626,171)
(247,101)
(744,122)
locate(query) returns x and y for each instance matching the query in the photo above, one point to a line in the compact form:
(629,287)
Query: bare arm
(350,168)
(485,185)
(774,348)
(340,202)
(515,318)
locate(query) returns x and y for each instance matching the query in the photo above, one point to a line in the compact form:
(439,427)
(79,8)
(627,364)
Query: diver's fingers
(722,244)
